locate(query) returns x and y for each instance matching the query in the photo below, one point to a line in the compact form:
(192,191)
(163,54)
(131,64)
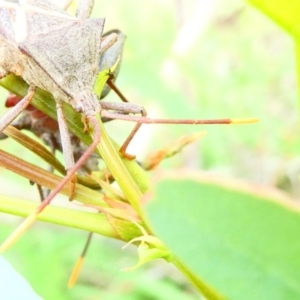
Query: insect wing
(69,55)
(33,17)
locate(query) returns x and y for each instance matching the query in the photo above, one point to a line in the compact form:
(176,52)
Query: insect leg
(65,138)
(66,144)
(107,41)
(111,84)
(33,216)
(17,109)
(67,4)
(84,9)
(124,108)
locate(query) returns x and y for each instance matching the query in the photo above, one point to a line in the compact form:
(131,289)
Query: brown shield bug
(59,53)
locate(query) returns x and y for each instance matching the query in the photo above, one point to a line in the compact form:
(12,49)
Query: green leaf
(242,241)
(147,254)
(297,46)
(150,248)
(284,12)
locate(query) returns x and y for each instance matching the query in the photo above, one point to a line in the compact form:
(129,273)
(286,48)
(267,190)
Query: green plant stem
(131,178)
(45,102)
(49,180)
(203,288)
(66,217)
(120,172)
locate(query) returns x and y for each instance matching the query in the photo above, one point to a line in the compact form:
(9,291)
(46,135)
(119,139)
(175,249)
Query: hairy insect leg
(107,41)
(111,84)
(17,109)
(121,111)
(25,122)
(129,138)
(33,216)
(84,8)
(66,145)
(126,108)
(66,4)
(65,138)
(41,192)
(22,123)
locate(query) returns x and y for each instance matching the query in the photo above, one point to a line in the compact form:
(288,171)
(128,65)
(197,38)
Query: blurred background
(194,59)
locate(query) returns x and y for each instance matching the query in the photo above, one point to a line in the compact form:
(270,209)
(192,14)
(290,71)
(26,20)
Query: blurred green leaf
(284,12)
(298,66)
(241,241)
